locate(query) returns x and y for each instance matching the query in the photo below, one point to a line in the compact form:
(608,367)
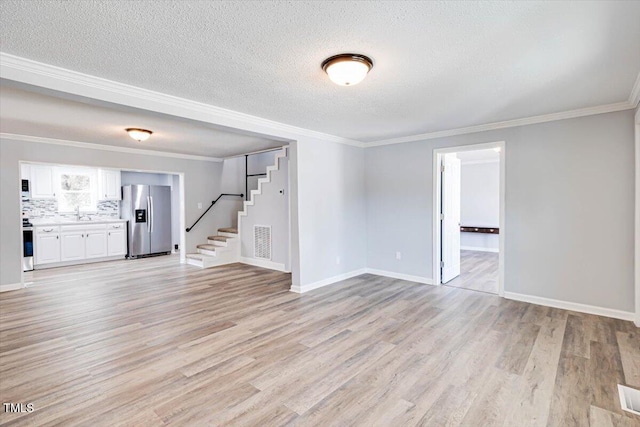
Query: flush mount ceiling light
(139,134)
(347,69)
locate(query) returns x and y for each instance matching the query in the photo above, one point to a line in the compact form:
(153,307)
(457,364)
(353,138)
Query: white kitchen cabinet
(72,245)
(47,248)
(117,242)
(96,244)
(117,239)
(25,171)
(42,182)
(79,243)
(109,184)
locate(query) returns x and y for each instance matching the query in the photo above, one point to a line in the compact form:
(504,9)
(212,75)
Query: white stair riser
(233,235)
(207,252)
(217,243)
(194,262)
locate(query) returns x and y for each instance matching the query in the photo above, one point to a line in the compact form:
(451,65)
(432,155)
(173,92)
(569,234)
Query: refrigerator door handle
(151,205)
(149,214)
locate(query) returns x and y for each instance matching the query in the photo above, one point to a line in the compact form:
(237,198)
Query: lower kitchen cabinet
(95,244)
(116,242)
(77,243)
(47,249)
(72,246)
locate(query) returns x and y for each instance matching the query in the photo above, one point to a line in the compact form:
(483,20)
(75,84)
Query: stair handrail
(210,206)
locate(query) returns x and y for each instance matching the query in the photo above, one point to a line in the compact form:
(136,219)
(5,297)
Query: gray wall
(144,178)
(569,208)
(202,180)
(271,208)
(329,199)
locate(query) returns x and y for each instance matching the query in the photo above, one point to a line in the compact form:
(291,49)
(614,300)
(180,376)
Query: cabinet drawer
(117,226)
(48,229)
(83,227)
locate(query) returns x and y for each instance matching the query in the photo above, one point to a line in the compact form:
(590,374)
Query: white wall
(202,182)
(328,211)
(480,204)
(569,208)
(271,208)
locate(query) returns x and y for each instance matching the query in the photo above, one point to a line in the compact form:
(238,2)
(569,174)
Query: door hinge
(441,264)
(441,217)
(442,168)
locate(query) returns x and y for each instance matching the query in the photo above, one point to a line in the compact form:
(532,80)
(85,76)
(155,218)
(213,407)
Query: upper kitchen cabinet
(109,185)
(42,182)
(25,171)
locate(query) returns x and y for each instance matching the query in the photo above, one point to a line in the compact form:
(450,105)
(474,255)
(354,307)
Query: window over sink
(77,188)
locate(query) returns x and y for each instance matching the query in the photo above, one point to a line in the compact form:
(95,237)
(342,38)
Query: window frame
(93,188)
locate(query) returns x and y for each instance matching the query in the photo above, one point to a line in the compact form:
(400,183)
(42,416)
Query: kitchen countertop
(44,221)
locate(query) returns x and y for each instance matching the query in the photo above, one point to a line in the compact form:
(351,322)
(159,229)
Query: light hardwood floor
(478,272)
(152,343)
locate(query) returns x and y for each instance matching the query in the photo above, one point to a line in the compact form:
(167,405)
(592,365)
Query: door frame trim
(437,201)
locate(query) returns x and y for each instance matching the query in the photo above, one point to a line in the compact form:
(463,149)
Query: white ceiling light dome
(139,134)
(347,69)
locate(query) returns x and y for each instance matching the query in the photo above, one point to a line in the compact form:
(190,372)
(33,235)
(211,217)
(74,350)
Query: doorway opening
(468,219)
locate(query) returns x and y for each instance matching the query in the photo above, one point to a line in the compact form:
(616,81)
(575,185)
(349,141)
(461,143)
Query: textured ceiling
(28,113)
(438,65)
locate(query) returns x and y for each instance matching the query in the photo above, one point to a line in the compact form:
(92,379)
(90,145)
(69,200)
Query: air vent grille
(262,241)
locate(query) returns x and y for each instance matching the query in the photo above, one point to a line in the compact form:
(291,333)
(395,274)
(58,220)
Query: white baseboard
(264,264)
(573,306)
(407,277)
(479,249)
(311,286)
(10,287)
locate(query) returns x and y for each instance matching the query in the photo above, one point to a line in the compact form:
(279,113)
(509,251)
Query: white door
(95,244)
(450,250)
(116,242)
(72,246)
(47,248)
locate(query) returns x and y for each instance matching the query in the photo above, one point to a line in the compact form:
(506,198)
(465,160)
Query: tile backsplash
(48,208)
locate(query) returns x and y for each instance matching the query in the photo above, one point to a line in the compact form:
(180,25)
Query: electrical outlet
(398,256)
(199,205)
(337,260)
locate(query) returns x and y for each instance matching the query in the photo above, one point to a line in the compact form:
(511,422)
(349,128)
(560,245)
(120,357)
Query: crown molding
(91,146)
(61,79)
(589,111)
(634,97)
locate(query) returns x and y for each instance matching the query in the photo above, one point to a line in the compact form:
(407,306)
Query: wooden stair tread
(219,238)
(208,247)
(228,230)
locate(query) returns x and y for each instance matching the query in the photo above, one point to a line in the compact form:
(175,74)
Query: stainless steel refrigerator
(147,208)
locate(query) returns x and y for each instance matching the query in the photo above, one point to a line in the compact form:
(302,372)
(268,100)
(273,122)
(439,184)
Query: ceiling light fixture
(139,134)
(347,69)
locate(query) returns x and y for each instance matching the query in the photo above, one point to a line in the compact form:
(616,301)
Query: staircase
(282,153)
(224,247)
